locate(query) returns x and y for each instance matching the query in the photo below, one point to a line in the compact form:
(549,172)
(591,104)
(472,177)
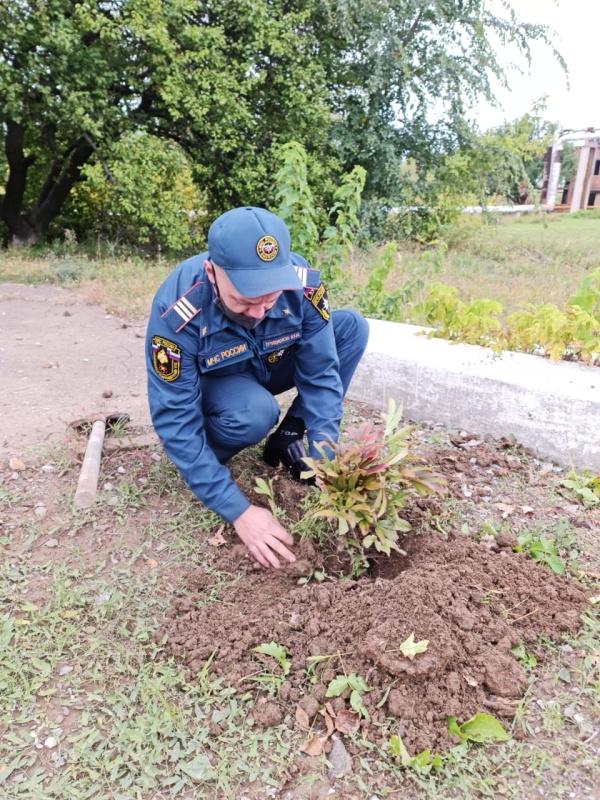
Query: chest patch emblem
(275,357)
(166,358)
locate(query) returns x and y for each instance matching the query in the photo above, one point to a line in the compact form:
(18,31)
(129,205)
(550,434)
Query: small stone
(50,742)
(121,470)
(67,314)
(341,763)
(16,465)
(65,670)
(47,468)
(51,543)
(40,511)
(65,711)
(113,500)
(107,393)
(59,719)
(108,486)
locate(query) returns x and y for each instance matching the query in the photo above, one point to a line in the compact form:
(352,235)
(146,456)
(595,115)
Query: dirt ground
(470,596)
(472,601)
(62,360)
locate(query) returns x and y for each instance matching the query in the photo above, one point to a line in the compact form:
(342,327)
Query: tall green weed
(297,208)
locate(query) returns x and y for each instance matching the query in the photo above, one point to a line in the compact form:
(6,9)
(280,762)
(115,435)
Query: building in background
(582,189)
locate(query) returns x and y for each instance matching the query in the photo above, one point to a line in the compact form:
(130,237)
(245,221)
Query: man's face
(252,307)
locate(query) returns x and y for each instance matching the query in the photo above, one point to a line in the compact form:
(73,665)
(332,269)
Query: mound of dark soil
(473,602)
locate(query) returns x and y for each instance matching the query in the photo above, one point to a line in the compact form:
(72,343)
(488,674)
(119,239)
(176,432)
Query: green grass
(527,260)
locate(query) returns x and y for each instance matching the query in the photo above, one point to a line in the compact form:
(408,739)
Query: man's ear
(210,271)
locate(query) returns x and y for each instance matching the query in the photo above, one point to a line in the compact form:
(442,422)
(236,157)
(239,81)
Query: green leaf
(40,665)
(356,702)
(398,750)
(556,564)
(483,728)
(357,683)
(454,729)
(337,686)
(276,651)
(564,675)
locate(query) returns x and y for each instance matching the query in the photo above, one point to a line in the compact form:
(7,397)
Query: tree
(356,83)
(145,194)
(413,70)
(226,81)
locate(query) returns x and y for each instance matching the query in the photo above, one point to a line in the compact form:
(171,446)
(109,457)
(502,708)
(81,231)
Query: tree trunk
(28,227)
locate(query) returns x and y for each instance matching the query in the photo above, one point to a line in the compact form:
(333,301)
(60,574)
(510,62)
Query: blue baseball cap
(252,245)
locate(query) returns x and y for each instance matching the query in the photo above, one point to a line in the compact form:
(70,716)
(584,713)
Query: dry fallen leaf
(505,509)
(302,718)
(218,539)
(328,721)
(469,679)
(347,721)
(315,745)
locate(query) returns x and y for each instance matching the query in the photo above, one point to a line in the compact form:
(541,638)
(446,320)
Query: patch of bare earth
(474,601)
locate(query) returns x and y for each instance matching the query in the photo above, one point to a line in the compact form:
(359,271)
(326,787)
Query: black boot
(285,447)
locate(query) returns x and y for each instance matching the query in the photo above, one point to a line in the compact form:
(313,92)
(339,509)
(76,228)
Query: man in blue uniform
(229,329)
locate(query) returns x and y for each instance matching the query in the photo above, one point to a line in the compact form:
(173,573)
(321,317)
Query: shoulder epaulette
(309,277)
(184,309)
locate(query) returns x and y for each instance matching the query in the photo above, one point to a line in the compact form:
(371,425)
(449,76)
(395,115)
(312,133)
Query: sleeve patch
(184,309)
(166,359)
(318,298)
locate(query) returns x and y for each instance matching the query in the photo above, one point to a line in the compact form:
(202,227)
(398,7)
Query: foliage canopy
(356,83)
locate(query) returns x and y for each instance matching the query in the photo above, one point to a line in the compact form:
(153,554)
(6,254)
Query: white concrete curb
(553,408)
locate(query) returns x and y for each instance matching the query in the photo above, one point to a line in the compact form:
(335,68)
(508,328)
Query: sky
(577,38)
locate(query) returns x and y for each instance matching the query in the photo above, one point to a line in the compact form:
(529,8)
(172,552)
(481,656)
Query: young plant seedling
(357,688)
(364,482)
(316,575)
(586,487)
(262,487)
(423,763)
(542,550)
(281,656)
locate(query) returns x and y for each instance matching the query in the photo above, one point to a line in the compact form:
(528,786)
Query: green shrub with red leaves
(364,482)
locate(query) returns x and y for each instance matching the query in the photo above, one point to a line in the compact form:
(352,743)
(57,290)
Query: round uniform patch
(267,248)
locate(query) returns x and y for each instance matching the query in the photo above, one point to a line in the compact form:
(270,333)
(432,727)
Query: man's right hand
(264,536)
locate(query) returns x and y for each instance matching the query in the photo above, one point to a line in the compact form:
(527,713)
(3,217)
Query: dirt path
(61,360)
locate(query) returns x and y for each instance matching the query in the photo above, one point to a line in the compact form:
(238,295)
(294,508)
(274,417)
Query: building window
(597,167)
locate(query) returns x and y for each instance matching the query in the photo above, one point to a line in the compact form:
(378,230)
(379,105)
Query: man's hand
(263,536)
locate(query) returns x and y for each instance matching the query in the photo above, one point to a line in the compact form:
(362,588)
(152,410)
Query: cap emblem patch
(267,248)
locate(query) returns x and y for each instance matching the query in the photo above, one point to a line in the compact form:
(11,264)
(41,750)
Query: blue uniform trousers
(239,412)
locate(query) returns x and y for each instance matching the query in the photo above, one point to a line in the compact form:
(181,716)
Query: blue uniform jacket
(188,338)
